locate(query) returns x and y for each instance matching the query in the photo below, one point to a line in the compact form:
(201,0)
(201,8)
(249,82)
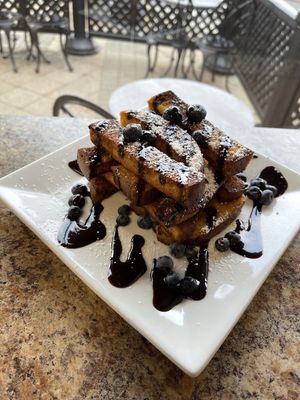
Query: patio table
(58,340)
(223,109)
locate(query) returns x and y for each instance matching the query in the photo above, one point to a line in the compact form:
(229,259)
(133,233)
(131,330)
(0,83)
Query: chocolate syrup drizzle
(75,167)
(166,297)
(251,245)
(73,235)
(124,273)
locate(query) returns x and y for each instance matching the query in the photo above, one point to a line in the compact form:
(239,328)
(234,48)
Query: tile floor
(94,77)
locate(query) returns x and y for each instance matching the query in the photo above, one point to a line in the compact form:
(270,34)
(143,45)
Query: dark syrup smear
(198,269)
(75,167)
(165,298)
(124,273)
(274,178)
(74,235)
(251,245)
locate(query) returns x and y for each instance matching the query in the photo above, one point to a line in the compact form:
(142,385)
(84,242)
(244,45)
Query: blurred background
(91,48)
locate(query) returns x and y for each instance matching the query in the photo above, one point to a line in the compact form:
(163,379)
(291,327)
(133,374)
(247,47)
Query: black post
(80,44)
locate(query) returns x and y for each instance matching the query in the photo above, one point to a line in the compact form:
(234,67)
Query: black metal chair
(60,105)
(177,37)
(8,21)
(220,50)
(47,16)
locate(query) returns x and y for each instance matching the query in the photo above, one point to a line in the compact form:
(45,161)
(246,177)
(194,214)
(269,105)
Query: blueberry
(172,280)
(76,200)
(177,249)
(124,210)
(267,197)
(123,220)
(132,133)
(164,263)
(233,237)
(222,244)
(201,137)
(145,222)
(74,213)
(188,286)
(253,192)
(196,113)
(258,182)
(172,114)
(149,137)
(80,189)
(242,176)
(191,251)
(273,189)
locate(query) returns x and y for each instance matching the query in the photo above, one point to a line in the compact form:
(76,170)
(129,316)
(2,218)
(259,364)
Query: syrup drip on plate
(166,297)
(74,235)
(124,273)
(251,245)
(75,167)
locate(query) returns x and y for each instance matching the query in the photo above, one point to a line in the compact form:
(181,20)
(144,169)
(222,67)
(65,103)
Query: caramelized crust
(207,223)
(226,156)
(232,189)
(135,189)
(92,162)
(177,180)
(101,188)
(170,139)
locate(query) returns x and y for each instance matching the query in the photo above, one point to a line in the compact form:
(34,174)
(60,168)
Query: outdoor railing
(269,66)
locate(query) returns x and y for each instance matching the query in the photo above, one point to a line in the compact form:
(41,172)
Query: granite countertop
(58,340)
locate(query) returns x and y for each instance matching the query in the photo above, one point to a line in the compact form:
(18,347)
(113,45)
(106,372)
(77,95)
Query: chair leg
(170,64)
(155,58)
(1,48)
(179,55)
(11,55)
(148,61)
(213,72)
(227,75)
(63,48)
(202,68)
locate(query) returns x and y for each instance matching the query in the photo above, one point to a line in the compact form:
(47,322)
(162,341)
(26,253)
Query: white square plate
(193,331)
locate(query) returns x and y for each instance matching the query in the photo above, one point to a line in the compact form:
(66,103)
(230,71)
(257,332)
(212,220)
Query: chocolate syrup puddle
(124,273)
(75,167)
(73,235)
(274,178)
(166,297)
(251,245)
(198,269)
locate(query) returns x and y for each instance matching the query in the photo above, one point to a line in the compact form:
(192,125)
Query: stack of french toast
(172,164)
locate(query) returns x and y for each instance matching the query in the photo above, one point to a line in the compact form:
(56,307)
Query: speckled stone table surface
(58,340)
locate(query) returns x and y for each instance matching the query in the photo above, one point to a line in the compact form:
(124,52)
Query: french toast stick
(134,188)
(231,189)
(93,162)
(168,212)
(210,221)
(224,154)
(170,139)
(101,188)
(175,179)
